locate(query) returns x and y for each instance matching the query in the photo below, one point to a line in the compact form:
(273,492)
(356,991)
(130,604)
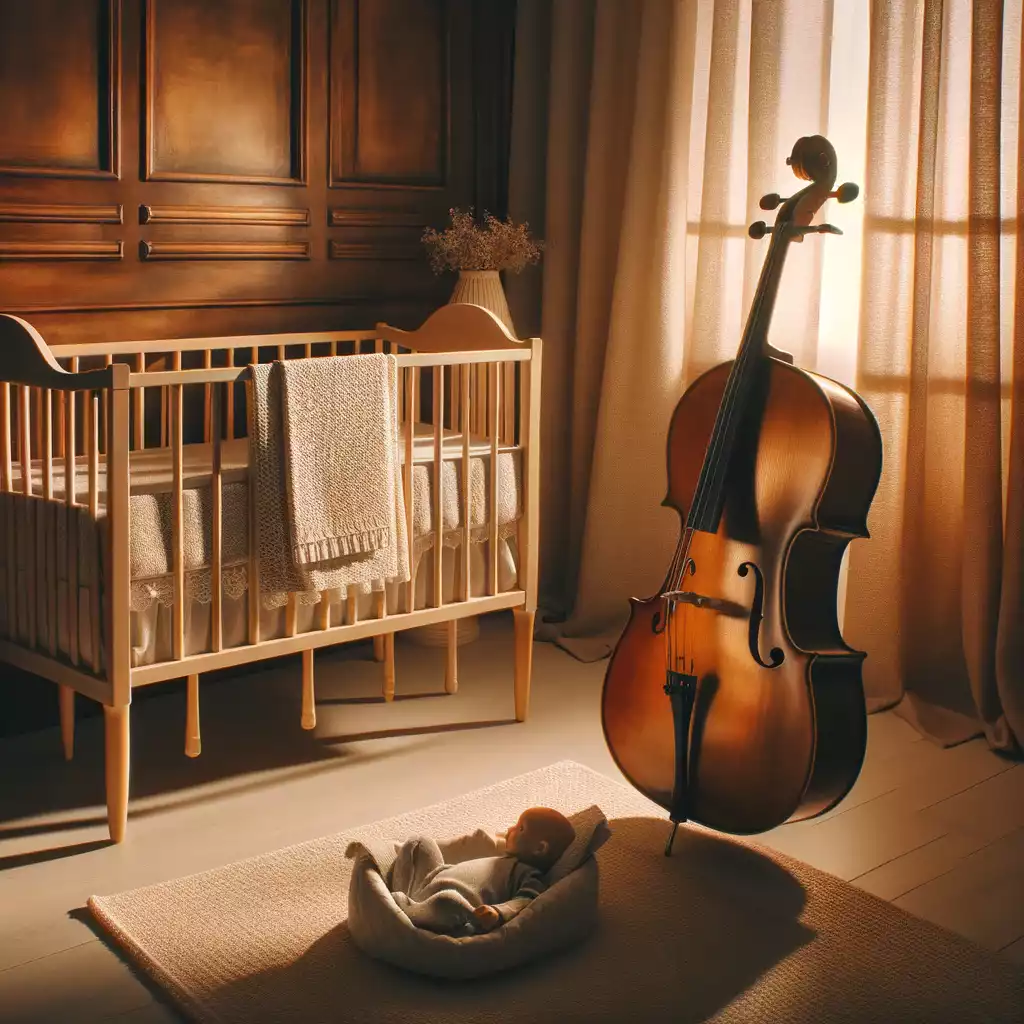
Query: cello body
(731,698)
(765,743)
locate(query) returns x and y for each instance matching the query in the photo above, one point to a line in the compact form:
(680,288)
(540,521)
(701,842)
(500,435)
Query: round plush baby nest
(565,913)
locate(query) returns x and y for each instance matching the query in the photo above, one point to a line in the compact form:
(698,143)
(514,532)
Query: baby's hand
(487,917)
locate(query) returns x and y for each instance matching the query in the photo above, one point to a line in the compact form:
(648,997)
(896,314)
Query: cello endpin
(671,838)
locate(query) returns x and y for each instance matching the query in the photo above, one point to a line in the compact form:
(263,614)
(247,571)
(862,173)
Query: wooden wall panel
(225,90)
(279,159)
(390,73)
(59,88)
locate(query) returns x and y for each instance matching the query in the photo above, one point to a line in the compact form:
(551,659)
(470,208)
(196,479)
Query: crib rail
(94,410)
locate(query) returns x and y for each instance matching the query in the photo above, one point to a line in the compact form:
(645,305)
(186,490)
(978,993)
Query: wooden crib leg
(66,698)
(389,666)
(378,648)
(116,734)
(308,696)
(523,621)
(193,741)
(451,667)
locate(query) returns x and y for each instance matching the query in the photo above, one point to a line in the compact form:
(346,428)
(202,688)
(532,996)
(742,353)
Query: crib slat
(37,418)
(207,398)
(291,616)
(466,560)
(105,412)
(49,537)
(5,437)
(94,511)
(59,430)
(482,376)
(494,427)
(167,397)
(27,543)
(438,484)
(216,525)
(508,402)
(231,398)
(410,426)
(6,480)
(351,608)
(139,401)
(455,397)
(177,523)
(254,559)
(72,533)
(325,609)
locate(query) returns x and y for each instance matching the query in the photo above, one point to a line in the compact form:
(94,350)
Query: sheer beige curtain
(644,134)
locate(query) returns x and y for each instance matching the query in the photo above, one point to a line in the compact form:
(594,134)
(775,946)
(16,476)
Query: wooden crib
(155,432)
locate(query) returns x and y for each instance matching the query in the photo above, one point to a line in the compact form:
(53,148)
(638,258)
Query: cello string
(700,499)
(712,467)
(722,423)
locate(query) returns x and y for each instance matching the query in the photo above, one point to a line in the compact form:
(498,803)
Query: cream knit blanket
(339,455)
(280,574)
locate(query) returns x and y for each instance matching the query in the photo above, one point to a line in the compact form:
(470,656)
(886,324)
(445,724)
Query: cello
(731,698)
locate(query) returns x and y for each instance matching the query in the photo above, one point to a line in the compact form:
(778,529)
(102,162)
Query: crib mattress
(151,498)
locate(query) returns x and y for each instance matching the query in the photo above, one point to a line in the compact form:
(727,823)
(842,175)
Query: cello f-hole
(756,615)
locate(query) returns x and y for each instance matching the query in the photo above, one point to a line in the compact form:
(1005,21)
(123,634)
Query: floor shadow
(136,813)
(18,860)
(327,701)
(250,727)
(418,730)
(678,938)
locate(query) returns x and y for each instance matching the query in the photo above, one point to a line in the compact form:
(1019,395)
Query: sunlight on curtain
(798,69)
(935,363)
(668,120)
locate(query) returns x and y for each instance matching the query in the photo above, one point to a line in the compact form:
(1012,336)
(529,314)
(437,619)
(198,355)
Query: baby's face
(516,834)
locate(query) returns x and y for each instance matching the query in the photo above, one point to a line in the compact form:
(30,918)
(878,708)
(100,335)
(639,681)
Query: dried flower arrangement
(499,245)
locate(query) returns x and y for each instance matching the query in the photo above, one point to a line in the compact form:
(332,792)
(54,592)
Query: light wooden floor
(939,832)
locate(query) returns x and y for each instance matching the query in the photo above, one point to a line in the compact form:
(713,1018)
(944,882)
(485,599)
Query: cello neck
(813,159)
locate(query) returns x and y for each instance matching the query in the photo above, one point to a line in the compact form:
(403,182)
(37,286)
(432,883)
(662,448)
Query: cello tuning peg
(771,201)
(846,193)
(823,229)
(758,229)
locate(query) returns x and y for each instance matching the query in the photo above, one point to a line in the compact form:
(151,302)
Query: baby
(479,895)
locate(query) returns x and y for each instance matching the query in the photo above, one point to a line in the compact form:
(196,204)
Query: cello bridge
(715,604)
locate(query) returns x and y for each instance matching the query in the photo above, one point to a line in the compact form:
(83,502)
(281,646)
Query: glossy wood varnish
(799,492)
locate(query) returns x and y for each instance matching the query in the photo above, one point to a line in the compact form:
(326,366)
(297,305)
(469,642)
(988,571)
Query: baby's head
(540,837)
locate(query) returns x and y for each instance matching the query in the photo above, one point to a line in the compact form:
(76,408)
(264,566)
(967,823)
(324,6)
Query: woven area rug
(718,931)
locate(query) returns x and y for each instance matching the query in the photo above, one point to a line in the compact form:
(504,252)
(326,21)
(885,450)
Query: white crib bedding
(151,548)
(151,473)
